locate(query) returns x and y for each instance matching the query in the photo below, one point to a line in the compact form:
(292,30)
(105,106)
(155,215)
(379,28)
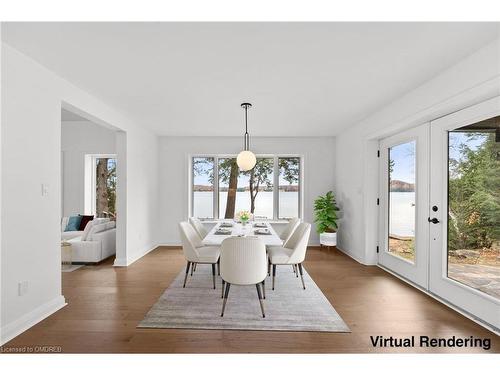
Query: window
(203,187)
(289,197)
(100,185)
(270,190)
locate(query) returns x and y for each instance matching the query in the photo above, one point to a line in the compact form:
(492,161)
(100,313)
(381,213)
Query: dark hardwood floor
(106,303)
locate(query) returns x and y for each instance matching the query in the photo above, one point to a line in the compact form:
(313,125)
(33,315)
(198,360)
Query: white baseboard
(18,326)
(124,262)
(179,244)
(354,257)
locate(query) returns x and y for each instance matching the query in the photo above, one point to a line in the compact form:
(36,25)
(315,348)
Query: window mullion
(276,188)
(216,188)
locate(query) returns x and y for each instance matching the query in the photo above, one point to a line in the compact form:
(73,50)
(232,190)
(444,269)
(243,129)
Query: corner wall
(31,156)
(470,81)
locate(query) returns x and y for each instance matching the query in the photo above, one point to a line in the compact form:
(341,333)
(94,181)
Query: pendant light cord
(247,137)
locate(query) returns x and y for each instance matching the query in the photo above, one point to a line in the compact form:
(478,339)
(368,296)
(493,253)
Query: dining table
(236,229)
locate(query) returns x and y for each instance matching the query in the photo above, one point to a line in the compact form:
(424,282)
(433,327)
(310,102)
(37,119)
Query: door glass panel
(401,166)
(474,206)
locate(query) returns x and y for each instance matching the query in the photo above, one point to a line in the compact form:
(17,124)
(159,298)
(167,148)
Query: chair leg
(213,273)
(296,271)
(187,273)
(268,267)
(192,268)
(259,293)
(264,288)
(223,285)
(218,267)
(225,299)
(293,268)
(274,273)
(301,275)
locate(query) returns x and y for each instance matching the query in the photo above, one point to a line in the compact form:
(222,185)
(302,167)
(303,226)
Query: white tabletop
(237,230)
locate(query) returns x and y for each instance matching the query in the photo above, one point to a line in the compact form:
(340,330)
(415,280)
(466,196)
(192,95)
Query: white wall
(319,170)
(79,138)
(470,81)
(31,151)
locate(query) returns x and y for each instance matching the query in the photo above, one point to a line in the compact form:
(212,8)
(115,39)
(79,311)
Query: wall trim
(352,256)
(178,244)
(28,320)
(125,262)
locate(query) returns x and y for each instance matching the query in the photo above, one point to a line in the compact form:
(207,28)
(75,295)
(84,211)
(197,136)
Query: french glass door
(440,208)
(404,195)
(465,203)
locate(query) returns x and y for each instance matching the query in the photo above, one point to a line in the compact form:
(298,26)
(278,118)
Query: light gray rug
(288,307)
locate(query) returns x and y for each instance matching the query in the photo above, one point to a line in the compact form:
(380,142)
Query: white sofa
(70,234)
(97,242)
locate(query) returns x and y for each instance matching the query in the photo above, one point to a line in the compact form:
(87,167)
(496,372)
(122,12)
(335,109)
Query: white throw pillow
(110,225)
(64,223)
(87,229)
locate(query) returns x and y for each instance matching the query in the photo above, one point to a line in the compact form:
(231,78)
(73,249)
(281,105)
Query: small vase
(244,223)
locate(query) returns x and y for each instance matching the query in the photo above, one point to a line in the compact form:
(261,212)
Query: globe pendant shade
(246,160)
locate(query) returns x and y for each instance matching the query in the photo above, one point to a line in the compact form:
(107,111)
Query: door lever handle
(433,220)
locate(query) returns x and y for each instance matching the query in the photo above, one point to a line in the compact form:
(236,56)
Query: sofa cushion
(96,228)
(73,223)
(85,220)
(110,225)
(71,234)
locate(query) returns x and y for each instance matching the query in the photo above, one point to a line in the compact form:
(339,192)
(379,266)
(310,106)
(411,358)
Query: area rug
(288,307)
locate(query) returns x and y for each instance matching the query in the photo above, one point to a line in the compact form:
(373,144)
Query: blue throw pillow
(73,223)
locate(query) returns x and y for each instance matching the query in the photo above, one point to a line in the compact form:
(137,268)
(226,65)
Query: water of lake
(288,207)
(402,212)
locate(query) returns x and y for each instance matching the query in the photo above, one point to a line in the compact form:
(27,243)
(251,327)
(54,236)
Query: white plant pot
(328,239)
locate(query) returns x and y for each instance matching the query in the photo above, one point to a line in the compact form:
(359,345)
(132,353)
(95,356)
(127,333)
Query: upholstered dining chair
(195,251)
(198,226)
(293,251)
(285,236)
(290,227)
(243,262)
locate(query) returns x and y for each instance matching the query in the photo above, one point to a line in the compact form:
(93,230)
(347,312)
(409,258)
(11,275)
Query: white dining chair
(293,252)
(290,227)
(243,262)
(285,236)
(199,227)
(195,251)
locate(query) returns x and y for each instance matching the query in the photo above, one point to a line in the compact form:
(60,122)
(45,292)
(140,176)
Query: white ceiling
(302,78)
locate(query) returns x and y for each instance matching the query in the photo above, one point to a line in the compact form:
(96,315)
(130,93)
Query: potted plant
(325,212)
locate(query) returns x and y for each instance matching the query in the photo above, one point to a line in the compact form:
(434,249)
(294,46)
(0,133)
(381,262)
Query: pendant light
(246,159)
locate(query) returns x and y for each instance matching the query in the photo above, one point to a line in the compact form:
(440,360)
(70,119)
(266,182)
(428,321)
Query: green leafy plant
(325,212)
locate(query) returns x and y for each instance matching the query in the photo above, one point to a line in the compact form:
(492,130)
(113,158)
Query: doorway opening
(439,218)
(88,191)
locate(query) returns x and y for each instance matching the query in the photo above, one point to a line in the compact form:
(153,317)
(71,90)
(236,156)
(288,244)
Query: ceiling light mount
(246,159)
